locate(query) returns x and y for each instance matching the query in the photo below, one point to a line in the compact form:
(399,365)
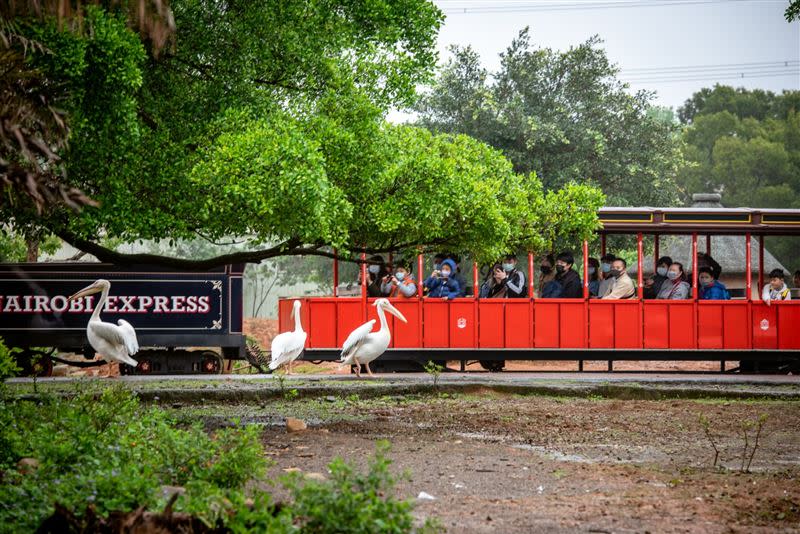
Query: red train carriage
(494,330)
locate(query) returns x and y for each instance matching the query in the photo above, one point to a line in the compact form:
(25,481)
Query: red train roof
(624,220)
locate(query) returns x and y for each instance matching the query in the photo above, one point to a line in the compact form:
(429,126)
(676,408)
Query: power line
(738,76)
(706,68)
(573,6)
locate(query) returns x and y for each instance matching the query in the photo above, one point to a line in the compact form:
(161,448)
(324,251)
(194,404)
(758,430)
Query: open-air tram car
(494,330)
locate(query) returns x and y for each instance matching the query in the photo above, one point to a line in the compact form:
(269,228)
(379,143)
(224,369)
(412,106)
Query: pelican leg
(369,371)
(289,368)
(358,368)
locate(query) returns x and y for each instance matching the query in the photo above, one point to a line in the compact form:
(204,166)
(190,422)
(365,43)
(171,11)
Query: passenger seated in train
(571,287)
(462,283)
(710,287)
(441,283)
(704,260)
(376,270)
(594,277)
(549,288)
(623,285)
(676,287)
(652,285)
(797,278)
(401,284)
(516,287)
(776,289)
(606,281)
(494,287)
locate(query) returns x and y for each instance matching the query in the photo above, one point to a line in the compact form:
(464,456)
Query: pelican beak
(394,311)
(88,290)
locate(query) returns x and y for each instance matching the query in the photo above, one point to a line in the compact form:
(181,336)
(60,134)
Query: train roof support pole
(335,273)
(656,251)
(475,288)
(760,265)
(694,265)
(530,275)
(640,265)
(586,269)
(708,244)
(364,285)
(602,245)
(748,269)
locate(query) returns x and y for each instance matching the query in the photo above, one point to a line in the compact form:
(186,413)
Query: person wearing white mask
(607,282)
(514,278)
(676,287)
(653,284)
(594,277)
(376,270)
(401,284)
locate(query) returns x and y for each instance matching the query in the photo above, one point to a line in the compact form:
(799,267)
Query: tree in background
(564,115)
(792,11)
(744,144)
(266,122)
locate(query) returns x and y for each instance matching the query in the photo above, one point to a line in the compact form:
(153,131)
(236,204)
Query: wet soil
(511,463)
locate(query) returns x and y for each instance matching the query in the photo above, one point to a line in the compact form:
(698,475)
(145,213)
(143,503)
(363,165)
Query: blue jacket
(444,287)
(716,291)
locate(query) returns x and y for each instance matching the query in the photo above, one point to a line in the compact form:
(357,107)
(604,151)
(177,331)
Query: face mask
(616,273)
(592,270)
(662,271)
(374,269)
(507,267)
(706,283)
(606,267)
(672,275)
(546,269)
(445,274)
(400,276)
(559,269)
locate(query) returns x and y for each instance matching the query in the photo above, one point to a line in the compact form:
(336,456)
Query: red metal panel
(435,328)
(406,334)
(462,323)
(285,323)
(545,328)
(789,325)
(573,321)
(627,324)
(656,325)
(710,325)
(765,326)
(321,326)
(601,324)
(517,323)
(348,317)
(735,325)
(492,324)
(681,324)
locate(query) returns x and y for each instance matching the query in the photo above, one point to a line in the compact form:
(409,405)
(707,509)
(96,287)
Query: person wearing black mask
(571,287)
(653,285)
(549,286)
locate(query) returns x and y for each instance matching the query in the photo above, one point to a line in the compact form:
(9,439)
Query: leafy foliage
(744,144)
(562,114)
(115,454)
(266,122)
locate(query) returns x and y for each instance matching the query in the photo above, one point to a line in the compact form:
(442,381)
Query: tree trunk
(33,250)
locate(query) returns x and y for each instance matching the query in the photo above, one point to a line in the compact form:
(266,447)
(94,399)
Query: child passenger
(441,283)
(400,284)
(776,289)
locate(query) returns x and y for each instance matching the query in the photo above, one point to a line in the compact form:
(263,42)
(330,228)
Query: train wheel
(212,363)
(494,366)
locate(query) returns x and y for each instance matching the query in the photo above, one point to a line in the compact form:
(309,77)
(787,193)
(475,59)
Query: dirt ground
(510,463)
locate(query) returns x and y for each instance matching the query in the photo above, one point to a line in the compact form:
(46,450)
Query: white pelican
(114,342)
(363,345)
(287,347)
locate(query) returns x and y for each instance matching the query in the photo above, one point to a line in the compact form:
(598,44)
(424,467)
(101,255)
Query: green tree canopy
(266,120)
(564,115)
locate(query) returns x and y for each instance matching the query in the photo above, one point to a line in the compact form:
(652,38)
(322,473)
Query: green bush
(112,452)
(8,364)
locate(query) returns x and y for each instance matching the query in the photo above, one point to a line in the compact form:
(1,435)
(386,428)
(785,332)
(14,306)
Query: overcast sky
(674,47)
